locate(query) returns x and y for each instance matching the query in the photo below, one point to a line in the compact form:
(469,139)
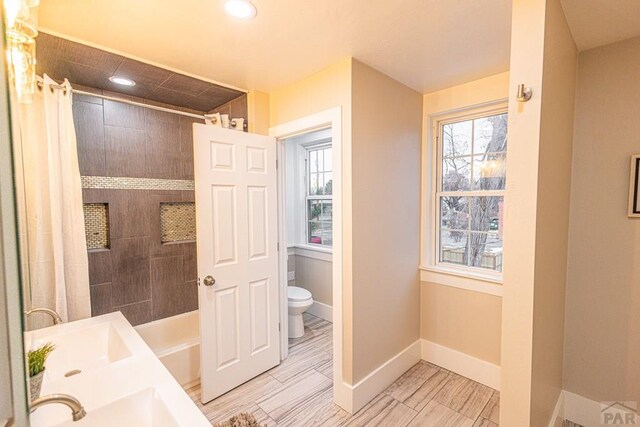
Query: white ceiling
(598,22)
(426,44)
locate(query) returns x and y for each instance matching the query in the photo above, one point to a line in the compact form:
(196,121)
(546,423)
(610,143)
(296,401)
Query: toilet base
(296,326)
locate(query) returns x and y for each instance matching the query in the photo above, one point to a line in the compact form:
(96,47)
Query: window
(319,224)
(469,191)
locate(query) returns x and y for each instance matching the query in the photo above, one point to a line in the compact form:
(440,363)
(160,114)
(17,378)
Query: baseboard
(590,413)
(322,311)
(191,384)
(374,383)
(461,363)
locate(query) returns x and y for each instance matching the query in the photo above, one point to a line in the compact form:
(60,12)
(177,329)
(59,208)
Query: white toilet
(299,301)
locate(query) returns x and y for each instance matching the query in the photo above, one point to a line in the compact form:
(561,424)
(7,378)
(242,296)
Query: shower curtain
(57,261)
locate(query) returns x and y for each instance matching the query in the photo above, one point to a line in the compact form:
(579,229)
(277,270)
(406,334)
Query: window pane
(456,174)
(320,160)
(490,134)
(485,250)
(313,161)
(315,209)
(327,233)
(486,214)
(489,172)
(315,232)
(327,210)
(453,247)
(313,184)
(454,213)
(327,160)
(328,184)
(456,139)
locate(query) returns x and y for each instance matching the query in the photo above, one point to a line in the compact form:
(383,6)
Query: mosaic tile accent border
(96,225)
(125,183)
(177,222)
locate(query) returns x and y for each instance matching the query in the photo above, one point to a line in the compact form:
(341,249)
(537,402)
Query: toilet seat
(296,294)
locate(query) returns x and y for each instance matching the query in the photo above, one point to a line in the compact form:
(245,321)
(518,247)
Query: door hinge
(278,247)
(276,163)
(278,326)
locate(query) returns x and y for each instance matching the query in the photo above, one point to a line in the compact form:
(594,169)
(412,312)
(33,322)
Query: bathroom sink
(142,409)
(83,349)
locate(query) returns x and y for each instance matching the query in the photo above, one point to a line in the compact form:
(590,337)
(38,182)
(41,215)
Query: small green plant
(38,357)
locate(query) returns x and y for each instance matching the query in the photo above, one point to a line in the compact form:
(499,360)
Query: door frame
(329,118)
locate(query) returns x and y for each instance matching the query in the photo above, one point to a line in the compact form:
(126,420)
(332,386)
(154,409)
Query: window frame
(482,279)
(316,146)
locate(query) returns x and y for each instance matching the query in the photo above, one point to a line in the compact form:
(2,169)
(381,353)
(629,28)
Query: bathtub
(176,342)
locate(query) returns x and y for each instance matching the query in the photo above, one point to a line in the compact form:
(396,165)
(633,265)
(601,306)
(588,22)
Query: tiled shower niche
(96,225)
(178,222)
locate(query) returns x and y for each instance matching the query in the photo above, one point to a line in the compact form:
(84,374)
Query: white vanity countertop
(119,372)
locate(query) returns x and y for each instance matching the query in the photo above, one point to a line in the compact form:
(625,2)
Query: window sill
(309,251)
(486,284)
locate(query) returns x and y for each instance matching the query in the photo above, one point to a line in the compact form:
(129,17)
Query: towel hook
(524,93)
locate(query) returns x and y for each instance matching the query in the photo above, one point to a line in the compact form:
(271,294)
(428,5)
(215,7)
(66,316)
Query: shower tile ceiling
(89,66)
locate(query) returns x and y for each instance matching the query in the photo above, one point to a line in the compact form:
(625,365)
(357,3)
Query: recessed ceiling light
(122,81)
(242,9)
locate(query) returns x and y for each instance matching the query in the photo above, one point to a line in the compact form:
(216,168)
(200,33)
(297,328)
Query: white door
(236,217)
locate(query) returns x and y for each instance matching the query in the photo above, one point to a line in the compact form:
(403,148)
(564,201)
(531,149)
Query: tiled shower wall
(137,274)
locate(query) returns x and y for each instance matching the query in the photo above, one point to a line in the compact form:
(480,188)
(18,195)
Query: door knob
(209,281)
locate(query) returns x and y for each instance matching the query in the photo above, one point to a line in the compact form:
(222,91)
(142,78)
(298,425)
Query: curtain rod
(232,122)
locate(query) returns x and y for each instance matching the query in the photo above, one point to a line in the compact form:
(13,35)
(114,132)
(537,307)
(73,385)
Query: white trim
(428,251)
(323,311)
(461,363)
(342,393)
(558,411)
(312,252)
(455,279)
(381,378)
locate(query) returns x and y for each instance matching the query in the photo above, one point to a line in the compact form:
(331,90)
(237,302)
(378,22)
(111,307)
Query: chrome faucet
(77,411)
(56,317)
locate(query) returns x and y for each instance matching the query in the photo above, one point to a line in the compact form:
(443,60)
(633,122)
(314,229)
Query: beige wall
(466,321)
(387,129)
(543,56)
(602,335)
(258,112)
(316,276)
(381,132)
(463,320)
(552,233)
(327,89)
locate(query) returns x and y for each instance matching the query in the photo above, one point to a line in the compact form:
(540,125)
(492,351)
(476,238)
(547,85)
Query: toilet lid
(295,293)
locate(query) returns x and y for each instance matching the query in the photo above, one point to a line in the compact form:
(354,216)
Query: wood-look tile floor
(298,393)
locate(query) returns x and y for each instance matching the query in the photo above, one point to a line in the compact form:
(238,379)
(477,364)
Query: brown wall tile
(125,152)
(166,282)
(100,267)
(123,115)
(163,155)
(89,126)
(190,296)
(190,261)
(138,313)
(130,271)
(186,145)
(100,299)
(129,213)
